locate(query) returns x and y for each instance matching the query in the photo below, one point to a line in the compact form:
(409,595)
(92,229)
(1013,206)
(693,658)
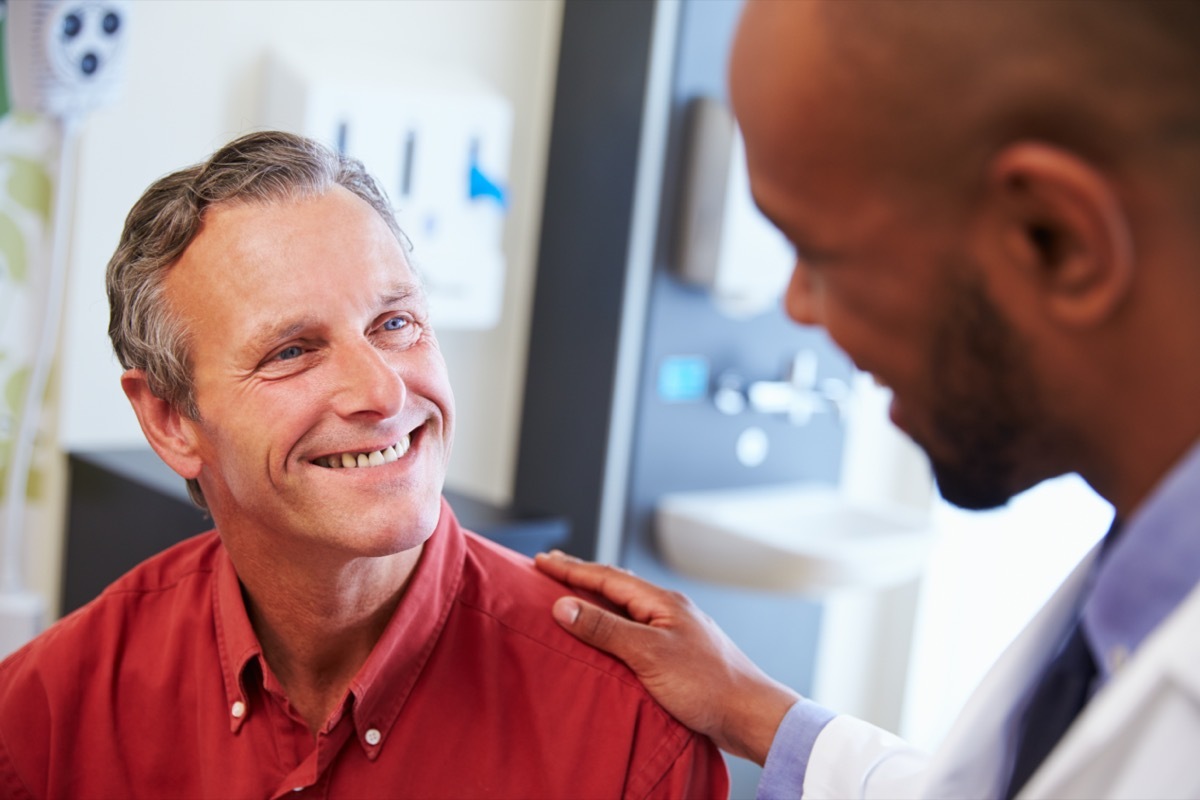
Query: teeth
(374,458)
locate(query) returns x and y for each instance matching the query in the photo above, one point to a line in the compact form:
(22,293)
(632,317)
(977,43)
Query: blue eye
(395,324)
(288,353)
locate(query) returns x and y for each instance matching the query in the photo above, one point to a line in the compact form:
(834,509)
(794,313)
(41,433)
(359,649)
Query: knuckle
(599,625)
(679,598)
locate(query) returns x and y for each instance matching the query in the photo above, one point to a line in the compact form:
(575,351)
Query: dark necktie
(1058,699)
(1056,702)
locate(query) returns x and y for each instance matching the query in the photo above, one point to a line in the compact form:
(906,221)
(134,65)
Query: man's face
(883,270)
(311,351)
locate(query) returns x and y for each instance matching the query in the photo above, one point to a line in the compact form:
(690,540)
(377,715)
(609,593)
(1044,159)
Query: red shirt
(159,689)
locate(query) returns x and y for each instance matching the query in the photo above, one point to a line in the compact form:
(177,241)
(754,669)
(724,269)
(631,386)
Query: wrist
(750,726)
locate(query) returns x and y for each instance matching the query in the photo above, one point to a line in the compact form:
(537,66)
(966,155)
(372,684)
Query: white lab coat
(1139,737)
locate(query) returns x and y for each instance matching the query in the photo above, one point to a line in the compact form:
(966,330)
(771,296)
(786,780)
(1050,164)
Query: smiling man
(337,634)
(996,211)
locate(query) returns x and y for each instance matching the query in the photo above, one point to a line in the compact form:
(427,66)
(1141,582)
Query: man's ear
(1060,222)
(169,432)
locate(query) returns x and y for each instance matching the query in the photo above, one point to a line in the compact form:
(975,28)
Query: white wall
(989,573)
(194,81)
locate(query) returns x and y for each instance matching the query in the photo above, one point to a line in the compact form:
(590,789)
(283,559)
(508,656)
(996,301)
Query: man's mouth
(371,458)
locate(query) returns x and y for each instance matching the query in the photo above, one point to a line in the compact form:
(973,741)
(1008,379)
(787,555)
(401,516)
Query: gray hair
(259,168)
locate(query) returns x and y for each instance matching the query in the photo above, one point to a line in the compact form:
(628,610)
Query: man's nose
(801,301)
(368,382)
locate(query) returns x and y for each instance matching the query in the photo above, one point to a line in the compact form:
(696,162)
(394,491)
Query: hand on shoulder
(681,656)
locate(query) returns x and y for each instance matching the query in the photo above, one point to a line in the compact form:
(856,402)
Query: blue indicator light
(483,186)
(683,379)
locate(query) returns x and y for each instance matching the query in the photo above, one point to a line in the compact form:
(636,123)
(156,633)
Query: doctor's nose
(801,301)
(368,383)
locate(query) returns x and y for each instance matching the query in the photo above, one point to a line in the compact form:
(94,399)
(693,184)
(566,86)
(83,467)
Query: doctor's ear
(170,433)
(1061,225)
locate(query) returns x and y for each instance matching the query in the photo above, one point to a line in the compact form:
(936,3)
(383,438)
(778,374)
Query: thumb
(610,632)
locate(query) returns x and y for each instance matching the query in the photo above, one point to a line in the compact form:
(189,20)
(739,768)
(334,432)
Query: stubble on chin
(988,412)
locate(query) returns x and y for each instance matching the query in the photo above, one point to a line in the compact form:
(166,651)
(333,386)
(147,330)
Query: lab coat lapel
(975,759)
(1137,737)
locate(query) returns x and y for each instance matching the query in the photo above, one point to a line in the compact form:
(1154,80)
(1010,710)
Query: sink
(802,538)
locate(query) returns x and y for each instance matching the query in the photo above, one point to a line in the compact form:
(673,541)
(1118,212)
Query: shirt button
(238,710)
(373,736)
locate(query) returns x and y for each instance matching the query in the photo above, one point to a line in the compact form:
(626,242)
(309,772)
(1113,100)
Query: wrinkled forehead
(320,244)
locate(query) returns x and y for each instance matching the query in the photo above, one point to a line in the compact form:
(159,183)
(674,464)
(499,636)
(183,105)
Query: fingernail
(566,612)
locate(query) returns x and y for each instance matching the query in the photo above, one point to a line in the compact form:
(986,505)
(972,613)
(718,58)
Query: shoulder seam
(113,588)
(627,681)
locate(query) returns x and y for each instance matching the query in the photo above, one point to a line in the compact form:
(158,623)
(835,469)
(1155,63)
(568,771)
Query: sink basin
(795,538)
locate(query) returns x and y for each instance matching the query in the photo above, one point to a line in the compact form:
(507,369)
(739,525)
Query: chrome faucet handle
(803,373)
(837,394)
(799,396)
(729,396)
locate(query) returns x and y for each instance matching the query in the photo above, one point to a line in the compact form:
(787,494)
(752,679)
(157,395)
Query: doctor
(996,210)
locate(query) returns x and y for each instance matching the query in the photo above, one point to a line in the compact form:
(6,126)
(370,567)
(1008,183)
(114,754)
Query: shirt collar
(236,642)
(1149,570)
(383,683)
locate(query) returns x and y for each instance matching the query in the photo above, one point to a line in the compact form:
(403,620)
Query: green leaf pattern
(12,250)
(26,197)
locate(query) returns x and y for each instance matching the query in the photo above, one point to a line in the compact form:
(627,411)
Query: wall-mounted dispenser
(65,57)
(725,244)
(442,153)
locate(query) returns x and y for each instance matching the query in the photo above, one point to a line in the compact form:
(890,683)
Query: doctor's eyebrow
(797,241)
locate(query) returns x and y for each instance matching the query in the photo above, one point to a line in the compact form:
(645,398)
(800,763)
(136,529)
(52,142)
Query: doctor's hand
(683,658)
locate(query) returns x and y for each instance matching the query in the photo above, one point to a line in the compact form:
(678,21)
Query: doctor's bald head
(926,90)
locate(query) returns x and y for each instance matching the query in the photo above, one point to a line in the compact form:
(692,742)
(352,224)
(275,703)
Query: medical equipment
(442,150)
(724,244)
(64,58)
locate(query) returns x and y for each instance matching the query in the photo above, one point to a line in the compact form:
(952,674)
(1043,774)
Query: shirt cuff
(787,760)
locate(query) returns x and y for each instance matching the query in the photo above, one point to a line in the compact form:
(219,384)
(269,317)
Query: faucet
(800,395)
